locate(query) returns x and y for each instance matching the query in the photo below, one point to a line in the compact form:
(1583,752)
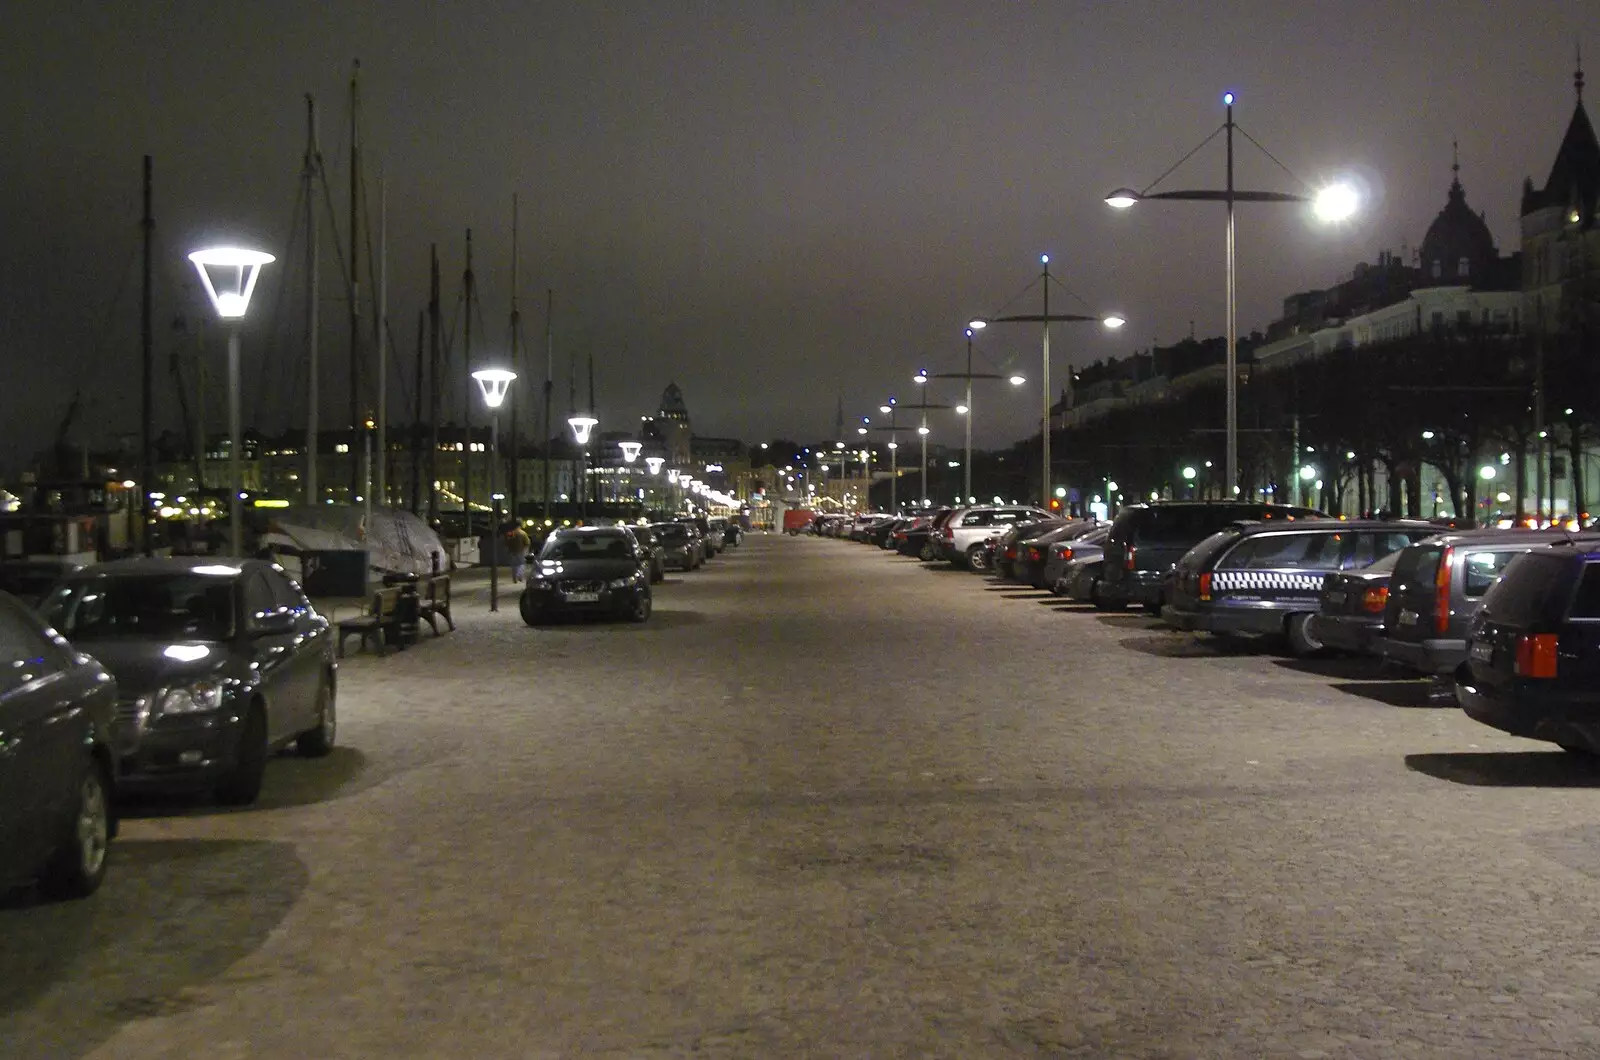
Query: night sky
(768,203)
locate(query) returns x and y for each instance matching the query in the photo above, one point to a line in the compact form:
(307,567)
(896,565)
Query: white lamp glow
(581,426)
(630,450)
(494,382)
(655,463)
(230,291)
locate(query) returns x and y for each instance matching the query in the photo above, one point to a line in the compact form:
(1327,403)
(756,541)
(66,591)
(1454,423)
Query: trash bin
(407,611)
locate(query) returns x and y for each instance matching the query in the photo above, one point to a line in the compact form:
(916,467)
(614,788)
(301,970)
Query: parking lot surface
(830,802)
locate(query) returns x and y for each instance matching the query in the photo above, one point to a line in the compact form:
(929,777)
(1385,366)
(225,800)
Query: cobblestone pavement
(836,804)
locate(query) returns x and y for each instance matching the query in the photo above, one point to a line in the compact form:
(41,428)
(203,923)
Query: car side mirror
(276,624)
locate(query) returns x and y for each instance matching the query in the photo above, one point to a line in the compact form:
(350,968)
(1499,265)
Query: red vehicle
(795,520)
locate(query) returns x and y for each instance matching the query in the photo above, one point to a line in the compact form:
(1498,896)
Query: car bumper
(1440,656)
(611,601)
(1259,621)
(1134,587)
(1532,716)
(1353,633)
(181,753)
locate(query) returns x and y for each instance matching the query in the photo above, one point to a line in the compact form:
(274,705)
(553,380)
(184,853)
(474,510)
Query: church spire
(1577,74)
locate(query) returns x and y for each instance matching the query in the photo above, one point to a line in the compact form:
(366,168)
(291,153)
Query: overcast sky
(769,203)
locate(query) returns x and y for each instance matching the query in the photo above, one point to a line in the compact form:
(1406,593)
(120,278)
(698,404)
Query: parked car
(961,537)
(1004,553)
(1265,578)
(650,543)
(1533,650)
(588,570)
(1351,605)
(218,664)
(58,762)
(29,580)
(680,545)
(1436,589)
(1033,551)
(1087,546)
(710,536)
(1147,539)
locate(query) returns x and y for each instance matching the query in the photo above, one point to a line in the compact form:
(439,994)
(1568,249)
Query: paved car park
(831,801)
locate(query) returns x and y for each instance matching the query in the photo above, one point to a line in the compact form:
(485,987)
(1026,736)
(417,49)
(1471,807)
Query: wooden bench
(434,603)
(378,620)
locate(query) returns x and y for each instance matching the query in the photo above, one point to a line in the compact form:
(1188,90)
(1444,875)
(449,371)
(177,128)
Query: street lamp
(1334,203)
(582,425)
(1046,318)
(236,271)
(494,382)
(965,408)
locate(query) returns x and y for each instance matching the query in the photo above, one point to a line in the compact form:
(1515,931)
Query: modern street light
(630,456)
(1046,318)
(965,408)
(1332,204)
(494,382)
(236,272)
(582,425)
(921,379)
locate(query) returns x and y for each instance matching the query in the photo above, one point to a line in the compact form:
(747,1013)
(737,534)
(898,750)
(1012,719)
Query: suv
(1266,577)
(1147,539)
(963,533)
(1533,652)
(1437,588)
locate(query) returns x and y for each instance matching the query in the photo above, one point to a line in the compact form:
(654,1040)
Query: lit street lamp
(1045,318)
(1335,203)
(582,425)
(965,408)
(230,290)
(494,382)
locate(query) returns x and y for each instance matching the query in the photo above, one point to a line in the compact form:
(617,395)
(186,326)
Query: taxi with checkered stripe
(1265,578)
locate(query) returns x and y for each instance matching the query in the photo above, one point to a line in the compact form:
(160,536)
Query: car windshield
(156,607)
(586,546)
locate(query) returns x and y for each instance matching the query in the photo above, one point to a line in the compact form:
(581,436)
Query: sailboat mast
(416,419)
(313,166)
(356,418)
(433,384)
(594,489)
(549,389)
(516,366)
(139,502)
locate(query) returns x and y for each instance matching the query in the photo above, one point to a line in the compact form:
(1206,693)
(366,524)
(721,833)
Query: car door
(41,753)
(272,654)
(310,648)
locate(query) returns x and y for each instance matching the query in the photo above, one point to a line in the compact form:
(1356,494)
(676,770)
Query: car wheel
(926,554)
(977,559)
(641,609)
(1303,642)
(243,785)
(1094,595)
(318,742)
(532,613)
(79,863)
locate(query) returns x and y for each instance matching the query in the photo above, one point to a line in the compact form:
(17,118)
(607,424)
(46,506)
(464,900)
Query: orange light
(1441,596)
(1375,600)
(1536,655)
(1205,586)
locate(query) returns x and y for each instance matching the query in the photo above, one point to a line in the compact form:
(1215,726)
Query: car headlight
(539,584)
(191,699)
(619,583)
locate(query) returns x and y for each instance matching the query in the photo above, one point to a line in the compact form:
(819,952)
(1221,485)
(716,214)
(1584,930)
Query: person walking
(518,543)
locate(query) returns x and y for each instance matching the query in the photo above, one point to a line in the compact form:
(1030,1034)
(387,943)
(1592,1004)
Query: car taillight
(1011,553)
(1205,586)
(1033,553)
(949,534)
(1536,655)
(1064,551)
(1127,558)
(1441,591)
(1375,600)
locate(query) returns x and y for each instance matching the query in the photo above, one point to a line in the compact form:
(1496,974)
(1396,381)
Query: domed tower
(1458,250)
(672,420)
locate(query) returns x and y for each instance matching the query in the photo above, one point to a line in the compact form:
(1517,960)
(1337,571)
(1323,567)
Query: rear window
(1480,569)
(1191,523)
(1291,551)
(1201,555)
(1586,602)
(1533,590)
(1418,565)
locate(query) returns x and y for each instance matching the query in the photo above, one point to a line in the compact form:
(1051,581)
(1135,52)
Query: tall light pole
(582,425)
(236,272)
(630,457)
(1111,321)
(1334,203)
(494,383)
(921,379)
(965,408)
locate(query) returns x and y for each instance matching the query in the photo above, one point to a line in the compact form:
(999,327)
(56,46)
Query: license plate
(1336,598)
(583,598)
(1408,618)
(1481,651)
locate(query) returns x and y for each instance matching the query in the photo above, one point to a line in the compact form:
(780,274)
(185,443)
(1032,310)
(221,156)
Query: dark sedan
(650,543)
(588,570)
(1350,609)
(680,545)
(57,758)
(218,664)
(30,580)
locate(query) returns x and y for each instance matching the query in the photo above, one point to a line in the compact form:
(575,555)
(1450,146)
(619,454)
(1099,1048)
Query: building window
(1464,268)
(1438,269)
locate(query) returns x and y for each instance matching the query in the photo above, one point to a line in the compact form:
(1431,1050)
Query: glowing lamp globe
(630,450)
(229,275)
(494,382)
(654,463)
(581,427)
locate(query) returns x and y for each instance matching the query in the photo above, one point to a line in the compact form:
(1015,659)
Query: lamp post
(1334,203)
(965,408)
(1111,321)
(630,456)
(494,382)
(921,379)
(236,272)
(582,425)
